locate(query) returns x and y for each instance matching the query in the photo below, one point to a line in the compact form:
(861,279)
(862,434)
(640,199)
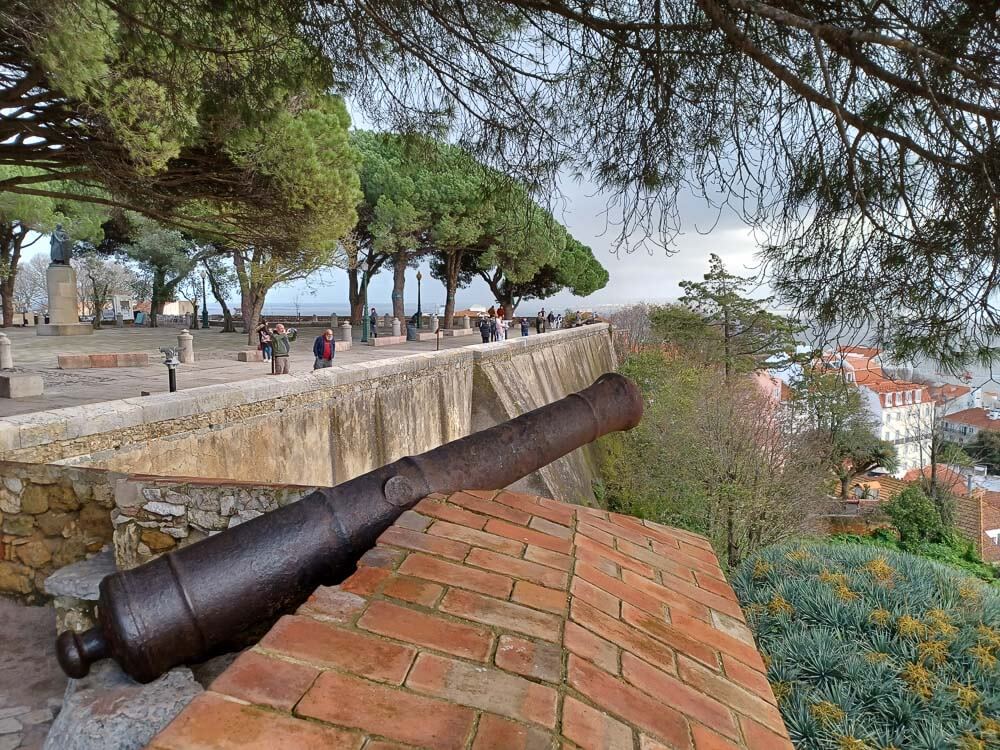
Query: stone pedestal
(395,327)
(466,323)
(185,347)
(334,322)
(64,316)
(345,331)
(434,323)
(6,358)
(119,321)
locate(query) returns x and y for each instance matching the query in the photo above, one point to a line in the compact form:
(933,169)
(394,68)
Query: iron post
(171,361)
(420,277)
(204,303)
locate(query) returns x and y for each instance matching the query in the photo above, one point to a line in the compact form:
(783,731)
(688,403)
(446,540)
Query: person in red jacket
(324,349)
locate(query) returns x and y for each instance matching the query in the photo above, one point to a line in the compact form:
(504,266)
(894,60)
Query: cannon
(192,603)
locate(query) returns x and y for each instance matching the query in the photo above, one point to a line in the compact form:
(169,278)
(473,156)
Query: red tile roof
(942,394)
(975,417)
(504,622)
(952,480)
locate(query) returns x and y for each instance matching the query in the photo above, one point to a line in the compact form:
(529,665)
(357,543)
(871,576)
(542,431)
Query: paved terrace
(215,354)
(503,623)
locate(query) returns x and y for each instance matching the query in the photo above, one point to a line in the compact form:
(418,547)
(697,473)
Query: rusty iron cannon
(193,602)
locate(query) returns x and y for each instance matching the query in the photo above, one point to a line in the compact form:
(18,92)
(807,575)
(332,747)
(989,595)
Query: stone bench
(250,355)
(95,361)
(426,336)
(386,340)
(459,331)
(20,385)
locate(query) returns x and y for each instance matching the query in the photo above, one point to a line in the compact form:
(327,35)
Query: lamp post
(419,312)
(204,303)
(365,268)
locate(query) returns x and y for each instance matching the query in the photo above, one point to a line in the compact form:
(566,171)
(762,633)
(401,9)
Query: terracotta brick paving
(489,621)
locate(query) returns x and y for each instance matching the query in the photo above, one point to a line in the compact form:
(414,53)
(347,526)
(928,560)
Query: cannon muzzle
(193,602)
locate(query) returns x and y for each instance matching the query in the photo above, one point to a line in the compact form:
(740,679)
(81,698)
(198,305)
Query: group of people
(276,345)
(493,324)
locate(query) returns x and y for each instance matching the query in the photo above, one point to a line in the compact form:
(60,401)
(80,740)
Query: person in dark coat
(494,334)
(324,350)
(540,321)
(484,329)
(524,327)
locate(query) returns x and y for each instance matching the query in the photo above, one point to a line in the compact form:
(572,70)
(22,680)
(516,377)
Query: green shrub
(915,517)
(953,549)
(873,648)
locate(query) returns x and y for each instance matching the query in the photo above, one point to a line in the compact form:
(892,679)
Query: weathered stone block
(33,554)
(73,361)
(107,709)
(387,340)
(132,359)
(54,523)
(95,522)
(157,541)
(10,502)
(15,578)
(62,497)
(20,385)
(35,499)
(251,355)
(103,360)
(164,509)
(18,525)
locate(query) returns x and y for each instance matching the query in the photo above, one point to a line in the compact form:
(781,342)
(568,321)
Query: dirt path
(31,683)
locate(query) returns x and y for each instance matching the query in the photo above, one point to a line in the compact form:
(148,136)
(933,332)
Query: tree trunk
(227,315)
(7,300)
(453,263)
(399,263)
(155,301)
(354,296)
(845,482)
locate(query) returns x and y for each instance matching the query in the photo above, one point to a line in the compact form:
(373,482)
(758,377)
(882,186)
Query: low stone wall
(320,428)
(153,515)
(50,516)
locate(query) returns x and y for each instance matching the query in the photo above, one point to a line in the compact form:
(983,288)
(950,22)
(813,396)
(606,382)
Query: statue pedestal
(64,316)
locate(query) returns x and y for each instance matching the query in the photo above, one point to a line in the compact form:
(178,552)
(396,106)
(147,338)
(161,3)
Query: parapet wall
(324,427)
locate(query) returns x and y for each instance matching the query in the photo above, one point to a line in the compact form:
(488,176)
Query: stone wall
(153,515)
(524,374)
(50,516)
(325,427)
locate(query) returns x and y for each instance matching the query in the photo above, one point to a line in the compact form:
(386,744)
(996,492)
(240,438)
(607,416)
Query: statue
(60,250)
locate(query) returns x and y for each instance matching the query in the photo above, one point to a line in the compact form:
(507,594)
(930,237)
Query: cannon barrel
(190,603)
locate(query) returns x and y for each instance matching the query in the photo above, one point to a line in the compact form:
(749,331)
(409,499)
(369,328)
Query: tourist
(501,313)
(264,339)
(558,322)
(324,349)
(501,328)
(373,321)
(540,321)
(551,319)
(493,328)
(524,327)
(484,328)
(492,312)
(281,343)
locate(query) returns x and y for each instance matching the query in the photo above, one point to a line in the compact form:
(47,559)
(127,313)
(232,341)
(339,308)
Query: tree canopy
(196,114)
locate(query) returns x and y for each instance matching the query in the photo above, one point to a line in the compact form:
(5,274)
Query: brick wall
(990,520)
(505,623)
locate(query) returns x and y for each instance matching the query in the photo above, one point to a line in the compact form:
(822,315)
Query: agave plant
(873,649)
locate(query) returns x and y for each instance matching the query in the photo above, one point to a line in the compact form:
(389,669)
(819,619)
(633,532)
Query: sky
(642,276)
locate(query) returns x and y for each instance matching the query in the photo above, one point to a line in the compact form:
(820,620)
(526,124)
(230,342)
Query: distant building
(962,427)
(903,411)
(950,398)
